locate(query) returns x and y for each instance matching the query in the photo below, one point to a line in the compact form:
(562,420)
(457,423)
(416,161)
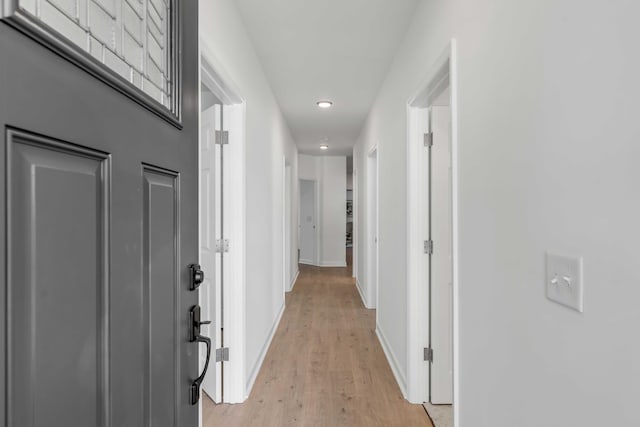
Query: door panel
(57,253)
(88,330)
(161,232)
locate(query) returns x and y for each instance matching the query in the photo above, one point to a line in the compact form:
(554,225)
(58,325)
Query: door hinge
(222,354)
(428,354)
(222,245)
(222,137)
(428,247)
(428,139)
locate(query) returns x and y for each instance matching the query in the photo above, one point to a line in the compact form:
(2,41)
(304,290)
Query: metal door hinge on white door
(222,137)
(222,354)
(428,139)
(428,354)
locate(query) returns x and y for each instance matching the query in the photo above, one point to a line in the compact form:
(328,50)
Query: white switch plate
(564,281)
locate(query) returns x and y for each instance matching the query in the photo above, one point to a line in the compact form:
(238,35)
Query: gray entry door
(99,224)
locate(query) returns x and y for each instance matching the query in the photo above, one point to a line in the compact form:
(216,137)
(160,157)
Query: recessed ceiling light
(324,104)
(324,147)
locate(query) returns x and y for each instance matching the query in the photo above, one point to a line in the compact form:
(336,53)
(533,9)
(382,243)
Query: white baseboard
(293,282)
(393,361)
(263,353)
(324,264)
(333,264)
(364,300)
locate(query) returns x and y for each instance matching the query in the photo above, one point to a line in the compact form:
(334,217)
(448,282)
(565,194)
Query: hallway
(325,366)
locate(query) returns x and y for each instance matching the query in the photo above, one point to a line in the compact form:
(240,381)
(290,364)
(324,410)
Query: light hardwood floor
(325,366)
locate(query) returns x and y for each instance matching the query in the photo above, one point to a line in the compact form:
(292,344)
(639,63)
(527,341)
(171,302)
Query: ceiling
(338,50)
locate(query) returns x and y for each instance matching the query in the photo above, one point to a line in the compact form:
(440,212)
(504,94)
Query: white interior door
(441,260)
(372,209)
(307,222)
(287,227)
(209,203)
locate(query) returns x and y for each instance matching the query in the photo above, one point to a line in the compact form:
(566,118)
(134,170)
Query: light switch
(564,281)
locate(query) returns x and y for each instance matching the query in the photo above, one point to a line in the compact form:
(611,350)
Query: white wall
(548,149)
(309,167)
(330,172)
(334,211)
(268,140)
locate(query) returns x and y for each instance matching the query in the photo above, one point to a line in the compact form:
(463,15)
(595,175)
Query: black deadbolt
(197,276)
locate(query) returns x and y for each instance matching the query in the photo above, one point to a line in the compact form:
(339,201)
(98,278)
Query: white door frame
(373,155)
(442,73)
(213,76)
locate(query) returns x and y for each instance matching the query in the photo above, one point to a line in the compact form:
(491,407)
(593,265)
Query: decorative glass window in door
(133,38)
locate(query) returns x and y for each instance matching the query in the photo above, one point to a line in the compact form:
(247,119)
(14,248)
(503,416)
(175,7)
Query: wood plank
(325,366)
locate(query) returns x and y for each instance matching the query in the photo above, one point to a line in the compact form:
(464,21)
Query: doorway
(432,247)
(308,222)
(221,225)
(372,227)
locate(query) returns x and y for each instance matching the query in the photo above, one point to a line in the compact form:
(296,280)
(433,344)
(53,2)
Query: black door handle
(194,336)
(197,383)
